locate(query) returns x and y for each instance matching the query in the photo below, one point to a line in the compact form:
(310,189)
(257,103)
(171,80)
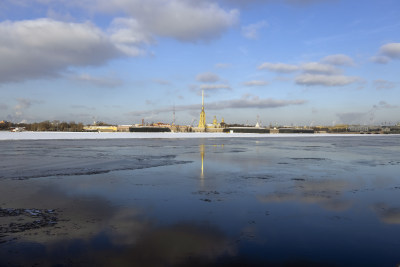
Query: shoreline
(9,136)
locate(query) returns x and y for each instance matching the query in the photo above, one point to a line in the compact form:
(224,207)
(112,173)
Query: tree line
(44,126)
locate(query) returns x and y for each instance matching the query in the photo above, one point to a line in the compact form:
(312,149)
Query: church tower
(202,121)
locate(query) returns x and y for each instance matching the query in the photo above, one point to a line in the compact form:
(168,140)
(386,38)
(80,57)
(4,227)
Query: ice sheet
(118,135)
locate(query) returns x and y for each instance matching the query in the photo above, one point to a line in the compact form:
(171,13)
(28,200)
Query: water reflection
(179,244)
(326,193)
(202,164)
(387,214)
(273,203)
(93,232)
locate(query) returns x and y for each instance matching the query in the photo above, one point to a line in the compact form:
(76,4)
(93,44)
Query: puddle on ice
(177,202)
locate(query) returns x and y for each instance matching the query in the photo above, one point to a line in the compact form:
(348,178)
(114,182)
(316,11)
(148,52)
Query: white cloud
(279,67)
(252,31)
(291,2)
(384,105)
(108,82)
(207,77)
(305,2)
(128,36)
(255,83)
(247,101)
(387,53)
(182,20)
(214,87)
(391,50)
(339,60)
(380,59)
(316,73)
(188,21)
(44,47)
(325,80)
(316,67)
(383,84)
(22,105)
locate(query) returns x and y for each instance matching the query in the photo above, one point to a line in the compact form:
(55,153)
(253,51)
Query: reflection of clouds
(93,232)
(389,215)
(326,193)
(176,245)
(126,226)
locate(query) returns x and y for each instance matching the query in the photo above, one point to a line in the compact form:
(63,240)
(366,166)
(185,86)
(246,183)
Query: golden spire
(202,121)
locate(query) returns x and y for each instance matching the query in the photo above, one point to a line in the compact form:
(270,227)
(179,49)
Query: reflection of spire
(202,163)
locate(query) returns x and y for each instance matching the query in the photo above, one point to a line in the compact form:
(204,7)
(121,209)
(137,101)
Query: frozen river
(281,201)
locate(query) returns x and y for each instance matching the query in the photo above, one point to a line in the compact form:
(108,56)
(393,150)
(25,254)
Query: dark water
(295,201)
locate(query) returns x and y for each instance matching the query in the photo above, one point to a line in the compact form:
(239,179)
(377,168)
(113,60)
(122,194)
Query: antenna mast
(173,123)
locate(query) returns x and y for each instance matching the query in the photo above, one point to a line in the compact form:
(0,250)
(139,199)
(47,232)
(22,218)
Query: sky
(285,62)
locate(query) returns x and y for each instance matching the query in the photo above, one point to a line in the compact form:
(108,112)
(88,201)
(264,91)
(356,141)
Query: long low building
(246,130)
(103,128)
(295,130)
(149,129)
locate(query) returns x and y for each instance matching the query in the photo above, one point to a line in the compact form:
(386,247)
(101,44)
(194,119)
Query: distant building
(123,128)
(246,130)
(358,128)
(295,130)
(161,124)
(103,128)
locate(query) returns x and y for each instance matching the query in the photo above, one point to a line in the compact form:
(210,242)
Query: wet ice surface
(326,201)
(67,157)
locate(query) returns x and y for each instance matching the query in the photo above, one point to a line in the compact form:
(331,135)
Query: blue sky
(291,62)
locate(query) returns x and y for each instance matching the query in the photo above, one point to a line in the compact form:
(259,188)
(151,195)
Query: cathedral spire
(202,121)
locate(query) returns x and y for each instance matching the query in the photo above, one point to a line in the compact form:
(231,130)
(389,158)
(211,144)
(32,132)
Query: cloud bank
(106,82)
(325,80)
(187,21)
(387,53)
(252,31)
(245,102)
(37,48)
(338,60)
(256,83)
(44,47)
(207,77)
(323,73)
(214,87)
(279,67)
